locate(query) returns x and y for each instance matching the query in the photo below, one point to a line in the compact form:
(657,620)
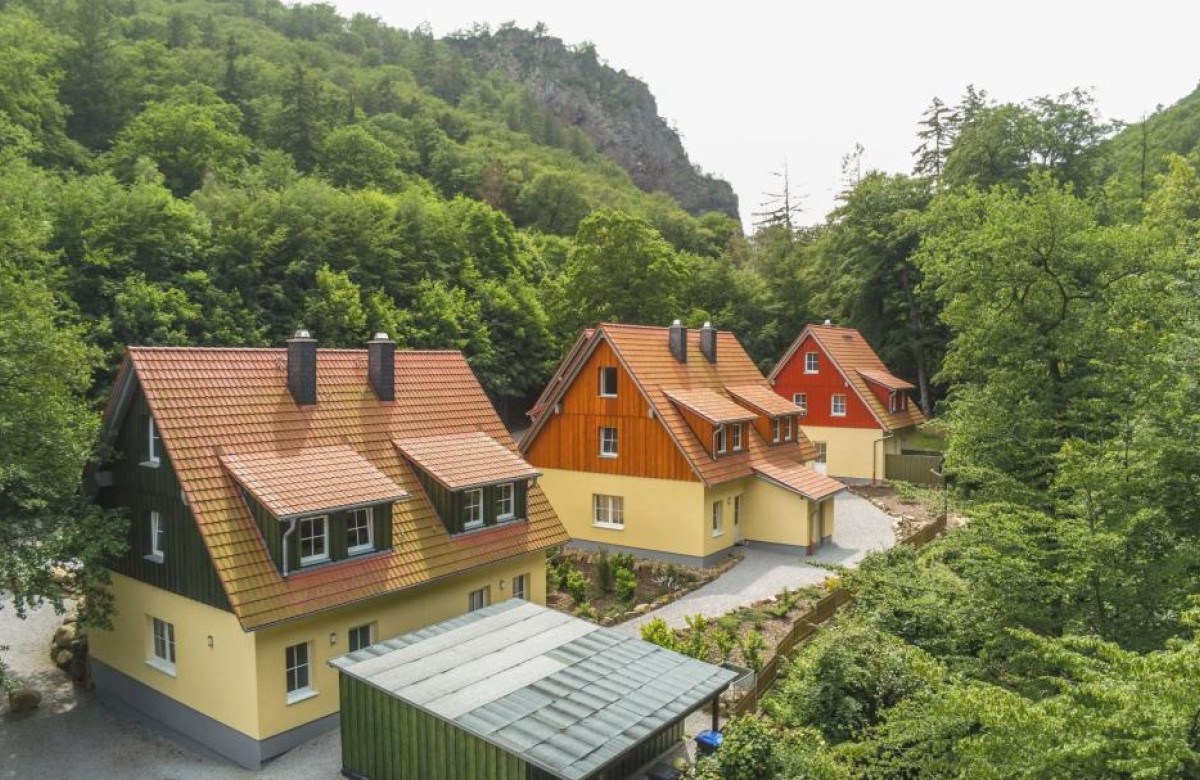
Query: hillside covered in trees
(221,173)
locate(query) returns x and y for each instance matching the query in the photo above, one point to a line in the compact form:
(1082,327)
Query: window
(776,430)
(521,586)
(801,400)
(810,362)
(299,677)
(838,406)
(504,501)
(718,526)
(153,443)
(737,511)
(608,442)
(736,437)
(608,381)
(478,599)
(473,507)
(360,637)
(719,439)
(314,540)
(358,531)
(897,401)
(787,428)
(157,533)
(608,511)
(162,646)
(821,451)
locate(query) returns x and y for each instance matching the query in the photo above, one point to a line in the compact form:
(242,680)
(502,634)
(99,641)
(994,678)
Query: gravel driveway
(859,528)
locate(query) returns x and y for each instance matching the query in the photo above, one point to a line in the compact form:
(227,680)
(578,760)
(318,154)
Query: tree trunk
(918,341)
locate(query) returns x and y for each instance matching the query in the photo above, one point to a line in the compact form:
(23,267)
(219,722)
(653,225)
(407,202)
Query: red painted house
(853,409)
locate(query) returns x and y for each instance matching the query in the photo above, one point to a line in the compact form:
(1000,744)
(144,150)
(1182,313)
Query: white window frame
(478,599)
(833,405)
(608,511)
(306,560)
(520,587)
(719,440)
(609,445)
(357,631)
(736,438)
(361,547)
(608,371)
(801,400)
(718,518)
(157,533)
(506,505)
(787,429)
(153,443)
(812,363)
(293,664)
(822,449)
(162,646)
(776,430)
(473,500)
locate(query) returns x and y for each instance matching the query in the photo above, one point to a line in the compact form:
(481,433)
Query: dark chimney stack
(708,342)
(381,366)
(677,339)
(302,368)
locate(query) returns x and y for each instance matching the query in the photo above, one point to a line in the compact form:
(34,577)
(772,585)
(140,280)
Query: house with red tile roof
(853,409)
(669,443)
(288,506)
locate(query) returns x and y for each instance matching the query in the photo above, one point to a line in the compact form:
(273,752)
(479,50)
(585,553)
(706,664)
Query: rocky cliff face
(616,110)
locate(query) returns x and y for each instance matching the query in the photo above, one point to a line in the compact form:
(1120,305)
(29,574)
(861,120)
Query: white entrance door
(737,520)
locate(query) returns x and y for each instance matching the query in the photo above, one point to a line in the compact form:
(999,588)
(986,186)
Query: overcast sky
(751,84)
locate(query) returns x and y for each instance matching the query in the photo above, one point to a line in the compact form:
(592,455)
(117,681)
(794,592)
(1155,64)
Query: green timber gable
(451,505)
(186,568)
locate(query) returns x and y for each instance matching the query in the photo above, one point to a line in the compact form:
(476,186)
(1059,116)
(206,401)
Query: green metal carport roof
(558,692)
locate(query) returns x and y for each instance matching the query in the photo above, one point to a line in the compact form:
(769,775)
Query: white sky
(751,84)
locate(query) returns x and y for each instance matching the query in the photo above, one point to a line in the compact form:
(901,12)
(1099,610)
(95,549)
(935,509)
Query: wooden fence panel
(917,469)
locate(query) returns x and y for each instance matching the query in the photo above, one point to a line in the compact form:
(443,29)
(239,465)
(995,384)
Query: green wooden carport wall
(385,738)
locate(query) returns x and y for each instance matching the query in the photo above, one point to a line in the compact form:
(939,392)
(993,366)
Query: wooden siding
(570,439)
(821,387)
(451,505)
(186,568)
(702,429)
(273,530)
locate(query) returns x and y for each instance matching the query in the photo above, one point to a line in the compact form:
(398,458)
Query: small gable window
(801,400)
(735,434)
(359,525)
(156,538)
(314,539)
(608,381)
(837,406)
(473,509)
(505,501)
(153,443)
(810,362)
(608,442)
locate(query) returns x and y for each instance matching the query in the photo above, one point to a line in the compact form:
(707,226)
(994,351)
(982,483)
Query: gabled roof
(558,692)
(711,405)
(323,479)
(465,460)
(884,379)
(852,355)
(212,401)
(798,479)
(764,399)
(646,357)
(565,369)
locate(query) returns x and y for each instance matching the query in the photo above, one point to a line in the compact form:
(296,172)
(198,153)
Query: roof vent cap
(828,321)
(676,322)
(302,333)
(381,336)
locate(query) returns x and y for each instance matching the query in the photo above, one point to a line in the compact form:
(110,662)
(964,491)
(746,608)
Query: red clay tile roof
(237,400)
(711,405)
(644,352)
(565,369)
(884,379)
(798,479)
(324,479)
(763,399)
(852,355)
(466,460)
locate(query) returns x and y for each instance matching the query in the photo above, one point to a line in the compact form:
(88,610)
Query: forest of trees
(221,173)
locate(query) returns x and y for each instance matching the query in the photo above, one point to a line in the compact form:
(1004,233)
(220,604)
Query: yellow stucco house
(291,505)
(669,443)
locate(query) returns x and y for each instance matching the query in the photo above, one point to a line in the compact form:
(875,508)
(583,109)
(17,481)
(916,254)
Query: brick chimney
(302,368)
(381,366)
(677,339)
(708,342)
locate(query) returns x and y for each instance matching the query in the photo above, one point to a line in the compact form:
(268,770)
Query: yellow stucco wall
(660,514)
(213,680)
(849,450)
(392,616)
(724,494)
(827,517)
(776,515)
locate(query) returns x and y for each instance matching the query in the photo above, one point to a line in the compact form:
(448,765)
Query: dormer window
(505,502)
(359,525)
(473,509)
(153,444)
(776,431)
(608,381)
(810,362)
(735,434)
(787,428)
(897,401)
(314,539)
(719,439)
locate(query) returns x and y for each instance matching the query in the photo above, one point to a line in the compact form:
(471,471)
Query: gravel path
(860,527)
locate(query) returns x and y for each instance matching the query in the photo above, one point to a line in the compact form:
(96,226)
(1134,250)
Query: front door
(737,520)
(814,526)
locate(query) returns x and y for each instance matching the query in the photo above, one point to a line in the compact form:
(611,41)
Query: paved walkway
(859,528)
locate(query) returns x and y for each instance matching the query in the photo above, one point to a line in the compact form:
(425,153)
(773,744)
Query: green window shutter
(337,535)
(520,499)
(383,526)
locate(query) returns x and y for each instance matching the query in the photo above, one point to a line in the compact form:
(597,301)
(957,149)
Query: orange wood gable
(571,438)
